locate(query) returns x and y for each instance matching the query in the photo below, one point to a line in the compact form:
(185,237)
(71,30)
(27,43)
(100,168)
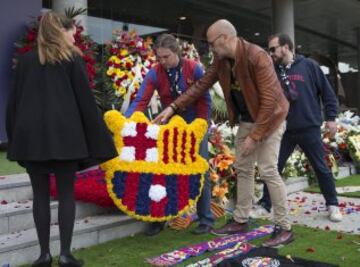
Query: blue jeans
(204,204)
(310,142)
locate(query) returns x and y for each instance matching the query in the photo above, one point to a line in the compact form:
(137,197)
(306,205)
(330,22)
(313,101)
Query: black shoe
(202,229)
(69,261)
(155,228)
(279,237)
(43,261)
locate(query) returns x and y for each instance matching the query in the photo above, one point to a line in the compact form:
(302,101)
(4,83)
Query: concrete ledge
(345,171)
(17,216)
(22,247)
(296,184)
(15,187)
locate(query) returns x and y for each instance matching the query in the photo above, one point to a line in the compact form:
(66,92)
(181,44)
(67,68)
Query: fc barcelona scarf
(179,255)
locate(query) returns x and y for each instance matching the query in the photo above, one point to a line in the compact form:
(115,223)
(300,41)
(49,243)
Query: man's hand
(332,127)
(164,116)
(248,146)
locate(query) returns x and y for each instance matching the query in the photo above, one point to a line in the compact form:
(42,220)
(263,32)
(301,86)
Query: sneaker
(259,212)
(334,214)
(231,228)
(279,237)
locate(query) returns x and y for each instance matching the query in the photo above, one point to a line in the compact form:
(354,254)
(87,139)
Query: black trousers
(41,208)
(311,143)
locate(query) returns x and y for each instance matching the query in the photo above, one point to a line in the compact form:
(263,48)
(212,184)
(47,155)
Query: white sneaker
(259,212)
(335,214)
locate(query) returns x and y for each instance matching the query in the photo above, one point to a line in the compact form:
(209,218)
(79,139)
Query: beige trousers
(266,155)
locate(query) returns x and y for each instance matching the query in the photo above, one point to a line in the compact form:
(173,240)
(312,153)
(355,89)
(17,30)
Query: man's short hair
(283,40)
(167,41)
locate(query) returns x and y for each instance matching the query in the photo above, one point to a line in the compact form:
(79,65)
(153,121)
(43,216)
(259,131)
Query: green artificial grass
(353,180)
(311,244)
(9,167)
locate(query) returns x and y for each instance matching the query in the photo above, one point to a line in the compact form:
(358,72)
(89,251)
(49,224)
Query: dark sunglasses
(273,48)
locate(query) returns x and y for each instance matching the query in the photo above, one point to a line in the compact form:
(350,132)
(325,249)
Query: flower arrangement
(90,186)
(128,58)
(82,41)
(189,51)
(159,173)
(222,173)
(338,149)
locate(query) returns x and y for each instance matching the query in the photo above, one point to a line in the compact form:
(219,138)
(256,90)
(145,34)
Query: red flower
(31,36)
(25,49)
(114,51)
(339,236)
(311,249)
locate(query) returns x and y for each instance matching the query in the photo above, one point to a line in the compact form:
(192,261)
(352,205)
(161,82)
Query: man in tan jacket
(254,97)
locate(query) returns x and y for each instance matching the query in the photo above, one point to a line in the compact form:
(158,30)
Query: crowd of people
(275,97)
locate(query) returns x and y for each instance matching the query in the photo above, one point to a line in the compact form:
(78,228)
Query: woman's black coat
(52,114)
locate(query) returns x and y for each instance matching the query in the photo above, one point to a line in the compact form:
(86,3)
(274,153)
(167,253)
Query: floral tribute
(222,158)
(129,58)
(158,174)
(82,41)
(90,186)
(189,51)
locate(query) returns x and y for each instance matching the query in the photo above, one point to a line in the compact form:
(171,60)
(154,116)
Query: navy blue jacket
(314,91)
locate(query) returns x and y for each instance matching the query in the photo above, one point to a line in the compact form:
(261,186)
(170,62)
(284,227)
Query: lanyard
(174,81)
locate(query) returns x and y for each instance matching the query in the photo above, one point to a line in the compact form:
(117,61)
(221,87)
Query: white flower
(125,83)
(152,131)
(152,155)
(129,129)
(127,153)
(139,44)
(157,192)
(333,144)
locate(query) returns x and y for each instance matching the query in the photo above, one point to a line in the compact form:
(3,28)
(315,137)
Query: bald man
(255,100)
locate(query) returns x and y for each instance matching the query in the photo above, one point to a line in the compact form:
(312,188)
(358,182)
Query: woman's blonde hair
(53,47)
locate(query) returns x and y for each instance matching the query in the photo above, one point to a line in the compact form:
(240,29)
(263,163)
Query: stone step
(296,184)
(22,247)
(17,216)
(16,187)
(345,171)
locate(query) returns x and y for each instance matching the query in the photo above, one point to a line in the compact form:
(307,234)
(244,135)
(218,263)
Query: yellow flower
(124,52)
(114,59)
(119,73)
(224,164)
(214,177)
(110,71)
(122,90)
(219,191)
(130,75)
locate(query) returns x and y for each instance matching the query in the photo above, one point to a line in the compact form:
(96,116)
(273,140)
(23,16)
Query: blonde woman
(53,126)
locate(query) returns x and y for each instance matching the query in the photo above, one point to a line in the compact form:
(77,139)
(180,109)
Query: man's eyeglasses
(213,42)
(273,48)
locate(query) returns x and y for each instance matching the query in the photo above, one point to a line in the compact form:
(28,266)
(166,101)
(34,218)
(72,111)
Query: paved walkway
(309,209)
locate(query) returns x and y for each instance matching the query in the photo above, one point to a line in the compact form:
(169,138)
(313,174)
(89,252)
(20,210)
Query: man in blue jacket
(305,86)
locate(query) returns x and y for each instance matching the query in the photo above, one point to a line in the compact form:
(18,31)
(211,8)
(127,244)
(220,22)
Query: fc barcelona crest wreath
(159,173)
